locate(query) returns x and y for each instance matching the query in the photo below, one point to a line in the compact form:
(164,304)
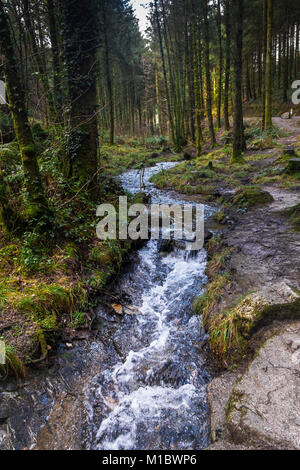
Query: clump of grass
(205,304)
(12,364)
(224,335)
(217,263)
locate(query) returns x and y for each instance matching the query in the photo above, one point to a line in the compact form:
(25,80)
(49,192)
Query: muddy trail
(141,383)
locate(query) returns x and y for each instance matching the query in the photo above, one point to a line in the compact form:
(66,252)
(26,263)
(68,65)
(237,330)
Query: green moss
(234,400)
(251,196)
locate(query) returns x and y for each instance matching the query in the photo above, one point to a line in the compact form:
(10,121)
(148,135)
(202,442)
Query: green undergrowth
(132,154)
(52,272)
(213,171)
(203,174)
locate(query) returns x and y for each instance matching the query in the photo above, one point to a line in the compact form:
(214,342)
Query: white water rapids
(155,398)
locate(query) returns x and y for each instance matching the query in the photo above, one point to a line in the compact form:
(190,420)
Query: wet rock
(274,302)
(208,235)
(132,310)
(293,166)
(166,246)
(219,391)
(263,409)
(4,413)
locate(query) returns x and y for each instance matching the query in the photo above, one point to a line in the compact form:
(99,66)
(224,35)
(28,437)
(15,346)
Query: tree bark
(36,206)
(228,64)
(268,108)
(80,35)
(207,73)
(238,124)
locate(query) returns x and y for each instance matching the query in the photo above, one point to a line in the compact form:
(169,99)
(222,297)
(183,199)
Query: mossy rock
(231,331)
(251,196)
(276,302)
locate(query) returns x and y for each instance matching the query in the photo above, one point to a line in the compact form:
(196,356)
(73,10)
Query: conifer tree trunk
(197,85)
(108,77)
(38,58)
(37,204)
(57,75)
(238,124)
(264,40)
(220,65)
(164,71)
(268,108)
(228,63)
(207,73)
(80,38)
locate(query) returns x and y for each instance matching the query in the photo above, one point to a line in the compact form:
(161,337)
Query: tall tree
(268,107)
(220,64)
(238,124)
(208,73)
(81,38)
(36,206)
(228,63)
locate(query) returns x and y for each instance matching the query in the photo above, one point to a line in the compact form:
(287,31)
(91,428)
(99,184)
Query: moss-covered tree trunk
(80,37)
(38,58)
(108,76)
(197,84)
(238,125)
(162,53)
(220,65)
(264,42)
(268,107)
(36,202)
(208,74)
(57,72)
(227,63)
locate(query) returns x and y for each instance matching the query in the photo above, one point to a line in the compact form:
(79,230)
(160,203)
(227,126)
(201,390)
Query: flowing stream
(141,384)
(154,396)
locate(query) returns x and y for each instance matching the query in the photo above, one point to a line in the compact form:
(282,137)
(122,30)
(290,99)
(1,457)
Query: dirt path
(290,126)
(266,257)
